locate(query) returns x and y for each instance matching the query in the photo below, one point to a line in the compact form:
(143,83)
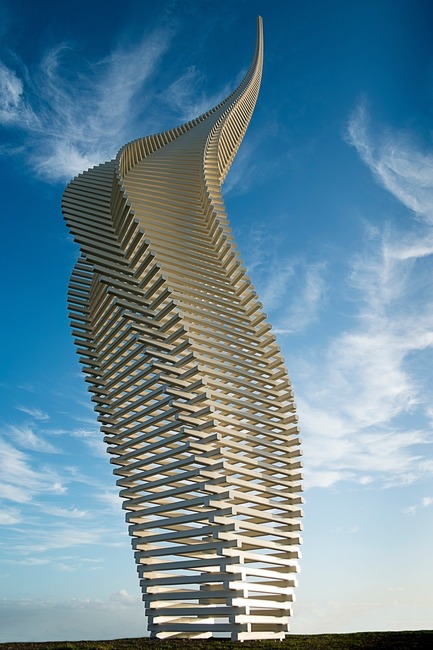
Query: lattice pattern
(191,389)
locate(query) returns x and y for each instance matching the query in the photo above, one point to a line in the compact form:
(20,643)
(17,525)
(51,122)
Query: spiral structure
(191,389)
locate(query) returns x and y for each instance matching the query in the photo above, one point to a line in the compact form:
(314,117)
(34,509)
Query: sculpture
(191,389)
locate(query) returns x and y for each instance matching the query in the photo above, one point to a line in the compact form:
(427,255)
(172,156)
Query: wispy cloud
(250,169)
(29,561)
(24,437)
(110,499)
(35,413)
(80,532)
(293,289)
(71,120)
(9,516)
(303,309)
(185,96)
(16,492)
(274,283)
(397,163)
(366,376)
(59,537)
(11,90)
(68,513)
(68,114)
(92,438)
(424,503)
(20,480)
(122,597)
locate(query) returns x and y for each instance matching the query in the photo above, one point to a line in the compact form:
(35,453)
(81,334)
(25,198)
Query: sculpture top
(226,123)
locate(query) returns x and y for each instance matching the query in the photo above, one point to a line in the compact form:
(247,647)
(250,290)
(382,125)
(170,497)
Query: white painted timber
(191,389)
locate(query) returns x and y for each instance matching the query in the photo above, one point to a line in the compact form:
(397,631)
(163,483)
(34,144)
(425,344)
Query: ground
(411,640)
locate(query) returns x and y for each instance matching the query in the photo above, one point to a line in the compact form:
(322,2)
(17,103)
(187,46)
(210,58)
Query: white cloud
(122,597)
(292,289)
(15,467)
(59,537)
(68,513)
(248,169)
(67,568)
(14,493)
(424,503)
(37,414)
(364,407)
(181,93)
(10,516)
(20,482)
(30,561)
(73,121)
(243,172)
(111,499)
(93,439)
(274,287)
(398,165)
(308,298)
(188,100)
(24,437)
(58,488)
(11,89)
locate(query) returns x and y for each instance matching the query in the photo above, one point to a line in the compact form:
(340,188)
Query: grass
(411,640)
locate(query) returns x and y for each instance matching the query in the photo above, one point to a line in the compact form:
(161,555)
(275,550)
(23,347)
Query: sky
(331,202)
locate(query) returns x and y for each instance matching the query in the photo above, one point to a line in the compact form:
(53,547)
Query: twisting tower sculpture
(191,389)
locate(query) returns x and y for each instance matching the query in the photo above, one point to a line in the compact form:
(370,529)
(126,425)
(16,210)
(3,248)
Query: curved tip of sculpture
(132,152)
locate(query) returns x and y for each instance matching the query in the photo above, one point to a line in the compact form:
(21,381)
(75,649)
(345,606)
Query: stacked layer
(190,385)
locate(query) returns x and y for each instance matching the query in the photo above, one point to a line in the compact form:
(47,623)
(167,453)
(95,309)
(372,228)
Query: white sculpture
(190,386)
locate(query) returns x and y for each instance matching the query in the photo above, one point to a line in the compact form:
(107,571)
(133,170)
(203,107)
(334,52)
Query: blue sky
(331,202)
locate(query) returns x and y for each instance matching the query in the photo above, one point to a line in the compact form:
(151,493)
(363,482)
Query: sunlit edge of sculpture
(191,389)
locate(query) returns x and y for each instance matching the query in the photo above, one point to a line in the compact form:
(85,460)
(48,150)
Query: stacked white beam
(191,389)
